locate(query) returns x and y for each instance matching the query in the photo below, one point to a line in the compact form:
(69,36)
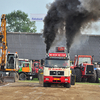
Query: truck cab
(25,71)
(36,65)
(56,70)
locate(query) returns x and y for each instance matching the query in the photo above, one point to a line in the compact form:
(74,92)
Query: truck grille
(56,72)
(90,69)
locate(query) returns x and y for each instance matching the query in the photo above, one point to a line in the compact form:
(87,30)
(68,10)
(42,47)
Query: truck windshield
(20,62)
(25,65)
(84,60)
(56,63)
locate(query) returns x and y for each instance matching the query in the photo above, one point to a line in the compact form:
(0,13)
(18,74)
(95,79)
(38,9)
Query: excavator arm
(3,42)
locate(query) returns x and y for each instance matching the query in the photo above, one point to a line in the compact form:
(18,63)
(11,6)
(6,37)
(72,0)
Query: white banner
(37,17)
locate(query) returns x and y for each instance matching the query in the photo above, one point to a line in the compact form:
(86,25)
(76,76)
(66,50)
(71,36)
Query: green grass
(87,83)
(35,80)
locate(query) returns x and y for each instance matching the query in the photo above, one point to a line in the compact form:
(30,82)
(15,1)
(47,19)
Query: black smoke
(73,14)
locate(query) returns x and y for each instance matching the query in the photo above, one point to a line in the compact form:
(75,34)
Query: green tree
(18,21)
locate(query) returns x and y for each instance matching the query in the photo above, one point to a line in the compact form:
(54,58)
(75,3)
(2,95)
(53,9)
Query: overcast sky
(27,6)
(36,7)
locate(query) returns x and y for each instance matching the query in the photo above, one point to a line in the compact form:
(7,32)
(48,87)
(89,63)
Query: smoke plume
(71,15)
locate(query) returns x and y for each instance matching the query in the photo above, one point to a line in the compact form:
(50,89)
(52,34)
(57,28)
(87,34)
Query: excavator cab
(12,61)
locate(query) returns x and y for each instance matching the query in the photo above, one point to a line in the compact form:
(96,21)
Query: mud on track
(34,91)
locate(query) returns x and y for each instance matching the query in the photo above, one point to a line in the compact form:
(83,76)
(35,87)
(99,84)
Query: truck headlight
(66,79)
(46,78)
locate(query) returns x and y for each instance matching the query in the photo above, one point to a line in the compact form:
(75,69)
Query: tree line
(18,21)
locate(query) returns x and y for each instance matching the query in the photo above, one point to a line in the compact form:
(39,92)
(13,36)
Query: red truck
(84,68)
(57,70)
(36,65)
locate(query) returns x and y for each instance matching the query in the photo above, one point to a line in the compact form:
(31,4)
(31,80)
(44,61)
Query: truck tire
(97,76)
(73,77)
(68,85)
(78,75)
(49,84)
(72,80)
(92,79)
(22,76)
(45,85)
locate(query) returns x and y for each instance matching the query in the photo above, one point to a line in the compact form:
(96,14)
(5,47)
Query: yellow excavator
(8,61)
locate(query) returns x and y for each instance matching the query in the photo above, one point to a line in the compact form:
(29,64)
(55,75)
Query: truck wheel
(44,84)
(73,77)
(68,85)
(97,76)
(22,76)
(92,79)
(72,80)
(49,85)
(78,75)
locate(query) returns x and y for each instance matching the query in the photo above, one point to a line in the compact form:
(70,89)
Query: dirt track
(34,91)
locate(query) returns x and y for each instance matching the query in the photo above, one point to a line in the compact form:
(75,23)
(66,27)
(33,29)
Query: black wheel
(72,80)
(97,76)
(92,79)
(68,85)
(78,75)
(44,84)
(49,84)
(22,76)
(73,77)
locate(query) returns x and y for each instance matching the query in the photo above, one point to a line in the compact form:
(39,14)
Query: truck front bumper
(62,79)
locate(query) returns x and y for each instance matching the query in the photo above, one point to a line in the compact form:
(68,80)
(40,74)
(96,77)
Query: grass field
(35,80)
(87,83)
